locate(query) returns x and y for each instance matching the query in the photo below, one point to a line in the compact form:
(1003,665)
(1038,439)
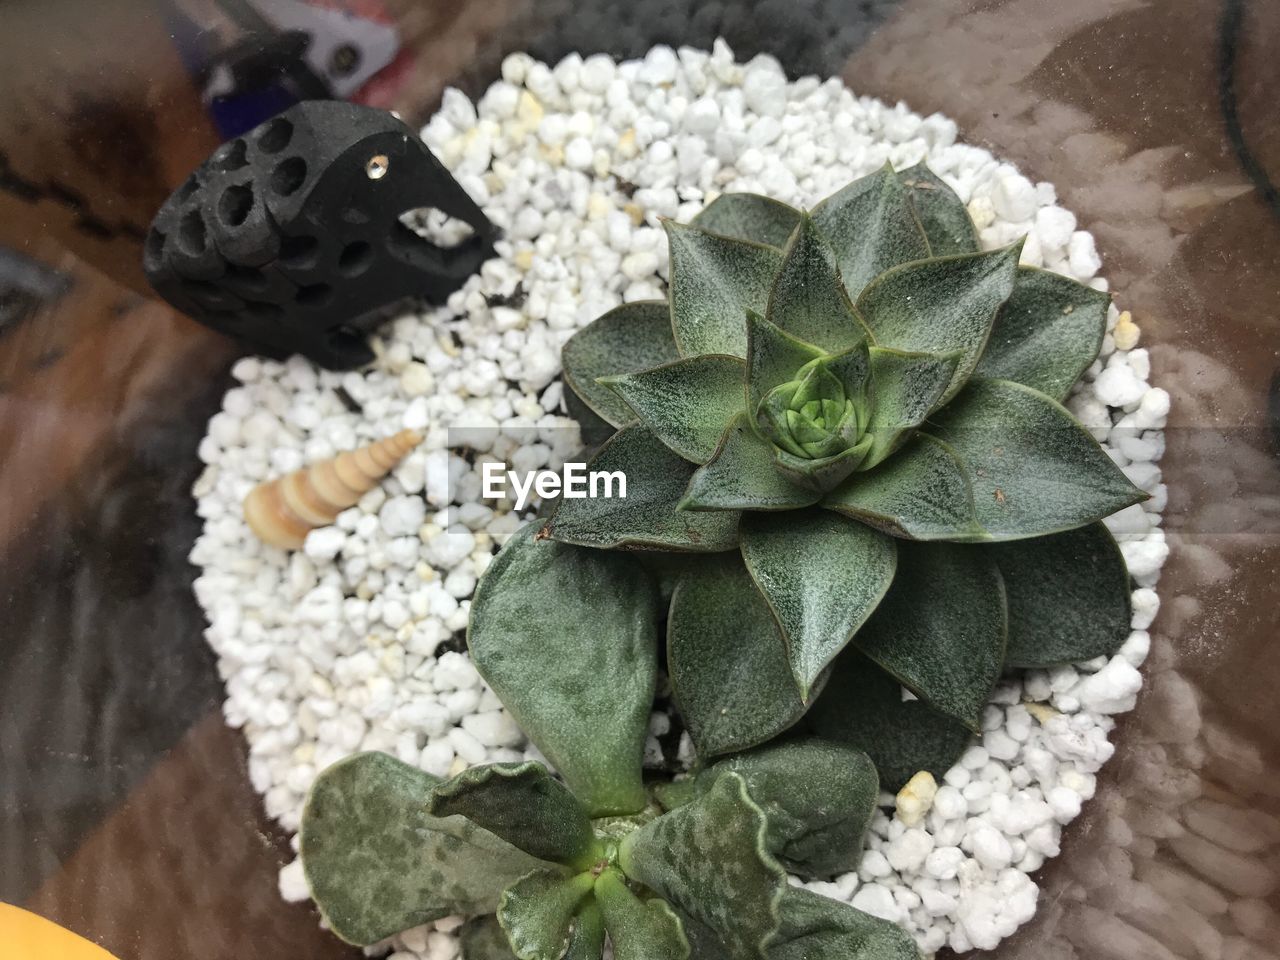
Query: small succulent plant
(387,847)
(848,472)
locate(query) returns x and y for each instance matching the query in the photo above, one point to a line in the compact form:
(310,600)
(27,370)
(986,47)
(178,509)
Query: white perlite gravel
(333,649)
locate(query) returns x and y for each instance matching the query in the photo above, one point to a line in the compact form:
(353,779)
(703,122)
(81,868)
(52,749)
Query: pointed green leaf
(862,706)
(825,474)
(523,804)
(1068,596)
(945,305)
(905,388)
(638,929)
(942,214)
(941,629)
(687,403)
(922,492)
(377,863)
(727,661)
(749,216)
(815,927)
(484,939)
(743,475)
(537,913)
(1047,334)
(822,576)
(710,860)
(818,797)
(647,517)
(872,226)
(808,299)
(774,357)
(634,336)
(715,280)
(1035,470)
(566,637)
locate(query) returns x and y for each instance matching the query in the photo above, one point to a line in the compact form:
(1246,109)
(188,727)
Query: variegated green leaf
(377,863)
(727,661)
(872,226)
(944,305)
(537,913)
(818,797)
(710,860)
(815,927)
(749,216)
(634,336)
(484,939)
(1047,334)
(941,629)
(808,299)
(647,517)
(715,280)
(1068,596)
(1034,469)
(638,929)
(523,804)
(773,358)
(566,637)
(905,388)
(743,475)
(922,492)
(862,706)
(822,576)
(687,403)
(704,944)
(942,214)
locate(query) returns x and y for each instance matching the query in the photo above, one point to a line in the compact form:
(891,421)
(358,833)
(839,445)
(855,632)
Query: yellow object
(1126,332)
(916,798)
(27,936)
(283,511)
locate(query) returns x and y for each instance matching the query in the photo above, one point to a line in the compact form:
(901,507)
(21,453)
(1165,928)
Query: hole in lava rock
(288,176)
(235,204)
(192,237)
(355,259)
(275,136)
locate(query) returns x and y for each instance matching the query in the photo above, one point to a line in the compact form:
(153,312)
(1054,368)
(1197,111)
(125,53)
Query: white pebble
(1014,198)
(991,848)
(402,516)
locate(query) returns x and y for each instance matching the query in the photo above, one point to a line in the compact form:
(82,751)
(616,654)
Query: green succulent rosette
(859,412)
(849,472)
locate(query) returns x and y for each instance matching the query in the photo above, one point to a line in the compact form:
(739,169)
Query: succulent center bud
(812,416)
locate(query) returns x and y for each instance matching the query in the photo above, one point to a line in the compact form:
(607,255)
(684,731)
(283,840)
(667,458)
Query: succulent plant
(387,847)
(849,472)
(849,463)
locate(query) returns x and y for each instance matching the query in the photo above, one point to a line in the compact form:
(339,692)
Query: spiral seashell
(281,512)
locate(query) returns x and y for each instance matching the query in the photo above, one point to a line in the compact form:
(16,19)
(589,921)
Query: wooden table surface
(125,810)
